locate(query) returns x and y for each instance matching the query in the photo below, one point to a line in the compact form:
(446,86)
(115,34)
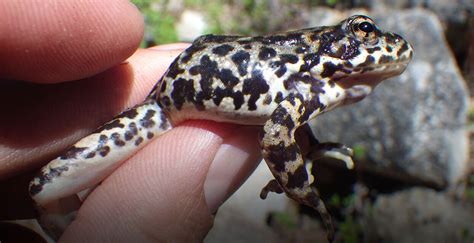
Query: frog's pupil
(366,27)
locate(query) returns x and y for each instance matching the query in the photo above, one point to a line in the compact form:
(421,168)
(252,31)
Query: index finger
(53,41)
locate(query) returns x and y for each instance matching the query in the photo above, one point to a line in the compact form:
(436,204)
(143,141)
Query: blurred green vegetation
(470,116)
(350,230)
(286,219)
(245,17)
(337,201)
(470,187)
(360,152)
(159,25)
(467,235)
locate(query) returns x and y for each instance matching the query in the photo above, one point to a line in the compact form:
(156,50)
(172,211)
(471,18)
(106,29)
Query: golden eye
(364,29)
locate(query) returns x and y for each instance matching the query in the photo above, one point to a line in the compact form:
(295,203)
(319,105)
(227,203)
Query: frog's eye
(364,29)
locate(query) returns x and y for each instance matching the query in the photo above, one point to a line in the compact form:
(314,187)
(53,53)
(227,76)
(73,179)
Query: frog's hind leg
(92,159)
(284,158)
(318,150)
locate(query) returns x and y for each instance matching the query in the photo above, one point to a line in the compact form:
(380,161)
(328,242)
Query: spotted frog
(278,81)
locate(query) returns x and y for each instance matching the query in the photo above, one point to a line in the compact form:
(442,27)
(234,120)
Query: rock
(243,217)
(419,215)
(232,227)
(412,126)
(456,11)
(453,11)
(327,16)
(324,16)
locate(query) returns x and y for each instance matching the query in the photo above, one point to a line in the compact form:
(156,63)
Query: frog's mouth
(358,86)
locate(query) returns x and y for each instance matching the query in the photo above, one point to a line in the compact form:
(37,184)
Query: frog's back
(231,78)
(243,79)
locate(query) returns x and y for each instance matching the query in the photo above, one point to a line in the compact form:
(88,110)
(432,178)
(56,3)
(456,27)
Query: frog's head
(356,56)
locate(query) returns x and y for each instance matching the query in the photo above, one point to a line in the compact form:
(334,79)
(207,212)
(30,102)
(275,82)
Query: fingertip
(149,65)
(52,41)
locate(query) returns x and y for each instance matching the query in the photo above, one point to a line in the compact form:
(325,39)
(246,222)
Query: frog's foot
(272,186)
(312,199)
(332,150)
(92,159)
(284,158)
(55,216)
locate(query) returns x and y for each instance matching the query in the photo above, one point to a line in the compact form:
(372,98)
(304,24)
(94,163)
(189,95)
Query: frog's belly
(222,113)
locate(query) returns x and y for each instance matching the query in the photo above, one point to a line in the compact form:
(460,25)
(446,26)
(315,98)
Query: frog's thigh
(283,156)
(281,151)
(93,158)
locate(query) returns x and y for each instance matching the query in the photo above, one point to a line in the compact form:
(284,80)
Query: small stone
(191,25)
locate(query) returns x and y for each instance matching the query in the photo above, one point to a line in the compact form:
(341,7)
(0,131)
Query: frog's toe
(272,186)
(335,151)
(342,156)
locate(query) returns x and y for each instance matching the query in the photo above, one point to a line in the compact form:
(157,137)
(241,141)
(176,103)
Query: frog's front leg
(284,158)
(92,159)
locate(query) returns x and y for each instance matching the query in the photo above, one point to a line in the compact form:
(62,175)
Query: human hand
(168,190)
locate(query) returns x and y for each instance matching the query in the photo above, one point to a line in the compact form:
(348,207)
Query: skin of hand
(63,72)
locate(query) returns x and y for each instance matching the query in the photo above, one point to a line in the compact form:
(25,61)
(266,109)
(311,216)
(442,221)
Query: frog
(277,81)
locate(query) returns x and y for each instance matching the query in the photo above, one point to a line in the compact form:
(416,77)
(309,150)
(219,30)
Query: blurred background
(414,179)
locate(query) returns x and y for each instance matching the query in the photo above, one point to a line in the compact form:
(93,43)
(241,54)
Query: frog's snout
(402,50)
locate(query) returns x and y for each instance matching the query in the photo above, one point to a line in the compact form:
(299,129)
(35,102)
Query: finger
(52,41)
(149,65)
(159,193)
(40,121)
(236,158)
(169,47)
